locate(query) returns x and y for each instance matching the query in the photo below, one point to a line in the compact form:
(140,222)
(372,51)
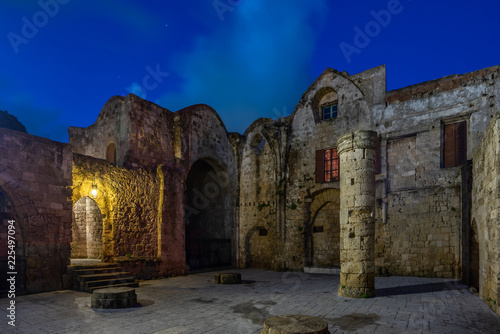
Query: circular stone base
(295,324)
(227,278)
(111,298)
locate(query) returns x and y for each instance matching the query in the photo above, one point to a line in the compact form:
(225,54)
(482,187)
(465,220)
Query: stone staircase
(89,277)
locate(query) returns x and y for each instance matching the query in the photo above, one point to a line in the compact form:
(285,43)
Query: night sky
(61,60)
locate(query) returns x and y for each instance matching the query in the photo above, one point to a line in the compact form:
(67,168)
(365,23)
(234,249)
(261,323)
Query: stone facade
(177,192)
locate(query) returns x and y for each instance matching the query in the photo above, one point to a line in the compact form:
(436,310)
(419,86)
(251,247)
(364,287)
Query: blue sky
(63,59)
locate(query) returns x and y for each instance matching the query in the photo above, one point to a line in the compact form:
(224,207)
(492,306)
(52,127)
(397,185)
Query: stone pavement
(194,304)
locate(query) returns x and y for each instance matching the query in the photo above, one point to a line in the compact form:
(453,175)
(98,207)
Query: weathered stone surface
(113,298)
(35,178)
(357,225)
(295,324)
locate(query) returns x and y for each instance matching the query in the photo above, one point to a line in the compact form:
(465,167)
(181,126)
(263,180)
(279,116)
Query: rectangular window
(327,165)
(317,229)
(330,111)
(454,144)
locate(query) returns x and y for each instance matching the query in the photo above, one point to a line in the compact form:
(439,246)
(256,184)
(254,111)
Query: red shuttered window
(327,165)
(454,144)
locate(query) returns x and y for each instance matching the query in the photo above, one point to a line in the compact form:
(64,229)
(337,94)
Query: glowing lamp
(93,192)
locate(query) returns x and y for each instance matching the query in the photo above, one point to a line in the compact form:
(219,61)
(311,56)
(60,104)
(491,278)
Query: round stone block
(111,298)
(227,278)
(295,324)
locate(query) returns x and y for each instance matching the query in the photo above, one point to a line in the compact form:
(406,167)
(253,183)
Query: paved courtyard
(194,304)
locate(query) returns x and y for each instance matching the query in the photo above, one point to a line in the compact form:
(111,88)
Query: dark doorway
(208,236)
(474,257)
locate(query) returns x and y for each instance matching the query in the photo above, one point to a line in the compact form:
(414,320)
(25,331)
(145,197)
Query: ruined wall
(485,214)
(35,176)
(419,205)
(111,127)
(419,219)
(262,201)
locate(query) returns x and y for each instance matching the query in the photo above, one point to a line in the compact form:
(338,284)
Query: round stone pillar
(356,152)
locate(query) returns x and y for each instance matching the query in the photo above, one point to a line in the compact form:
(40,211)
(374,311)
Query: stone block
(227,278)
(113,298)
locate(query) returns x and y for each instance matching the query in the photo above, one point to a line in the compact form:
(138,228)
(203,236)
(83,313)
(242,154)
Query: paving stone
(193,304)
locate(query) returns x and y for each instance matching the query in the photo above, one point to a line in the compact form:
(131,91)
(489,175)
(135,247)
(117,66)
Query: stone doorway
(322,233)
(86,230)
(208,234)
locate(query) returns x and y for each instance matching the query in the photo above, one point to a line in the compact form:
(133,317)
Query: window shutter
(320,168)
(449,149)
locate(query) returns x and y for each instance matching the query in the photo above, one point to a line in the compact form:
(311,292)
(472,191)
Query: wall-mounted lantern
(93,192)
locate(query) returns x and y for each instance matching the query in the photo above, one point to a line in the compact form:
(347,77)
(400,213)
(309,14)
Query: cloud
(255,61)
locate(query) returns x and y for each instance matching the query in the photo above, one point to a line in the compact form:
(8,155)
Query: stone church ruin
(367,181)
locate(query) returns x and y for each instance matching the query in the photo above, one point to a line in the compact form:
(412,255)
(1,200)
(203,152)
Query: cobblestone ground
(194,304)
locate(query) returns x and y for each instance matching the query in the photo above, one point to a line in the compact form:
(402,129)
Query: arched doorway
(322,237)
(86,230)
(208,232)
(259,248)
(10,229)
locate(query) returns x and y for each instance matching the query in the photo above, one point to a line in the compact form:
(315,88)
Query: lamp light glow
(93,192)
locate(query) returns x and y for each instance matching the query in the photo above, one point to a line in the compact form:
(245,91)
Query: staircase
(89,277)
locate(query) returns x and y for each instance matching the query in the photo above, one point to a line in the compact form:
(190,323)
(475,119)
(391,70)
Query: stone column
(357,208)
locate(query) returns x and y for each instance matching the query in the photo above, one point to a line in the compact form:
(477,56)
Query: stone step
(92,271)
(106,282)
(103,276)
(125,285)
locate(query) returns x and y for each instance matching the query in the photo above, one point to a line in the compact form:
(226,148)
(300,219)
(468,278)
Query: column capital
(356,139)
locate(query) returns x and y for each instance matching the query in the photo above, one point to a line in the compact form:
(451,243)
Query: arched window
(111,153)
(325,104)
(329,106)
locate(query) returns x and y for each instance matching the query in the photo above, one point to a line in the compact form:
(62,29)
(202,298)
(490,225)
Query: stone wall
(35,176)
(485,218)
(419,204)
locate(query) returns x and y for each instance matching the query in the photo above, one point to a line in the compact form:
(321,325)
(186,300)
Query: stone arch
(87,230)
(322,229)
(103,203)
(259,248)
(324,96)
(208,216)
(473,275)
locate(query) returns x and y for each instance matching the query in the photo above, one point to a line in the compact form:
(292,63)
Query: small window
(330,111)
(454,144)
(262,232)
(327,166)
(317,229)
